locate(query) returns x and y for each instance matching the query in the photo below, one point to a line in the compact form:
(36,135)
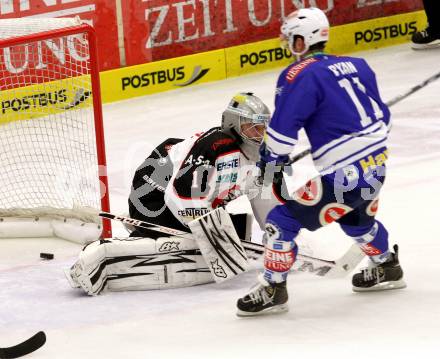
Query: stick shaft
(413,89)
(322,265)
(144,224)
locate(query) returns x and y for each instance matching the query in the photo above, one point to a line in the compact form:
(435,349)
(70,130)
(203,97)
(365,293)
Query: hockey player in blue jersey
(335,99)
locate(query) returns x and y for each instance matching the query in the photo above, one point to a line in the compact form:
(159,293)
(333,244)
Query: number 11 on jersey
(364,118)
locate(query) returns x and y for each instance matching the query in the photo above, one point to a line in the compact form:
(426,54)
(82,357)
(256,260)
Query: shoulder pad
(209,146)
(224,144)
(217,142)
(296,69)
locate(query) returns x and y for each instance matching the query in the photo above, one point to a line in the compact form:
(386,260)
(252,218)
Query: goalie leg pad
(89,271)
(121,264)
(157,264)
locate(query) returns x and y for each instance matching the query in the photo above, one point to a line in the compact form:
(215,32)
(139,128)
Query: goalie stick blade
(321,267)
(28,346)
(330,269)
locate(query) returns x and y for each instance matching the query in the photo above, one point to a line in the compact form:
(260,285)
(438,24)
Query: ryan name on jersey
(343,68)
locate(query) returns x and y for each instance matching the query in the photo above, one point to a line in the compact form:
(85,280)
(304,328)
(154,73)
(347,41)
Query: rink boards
(240,60)
(211,66)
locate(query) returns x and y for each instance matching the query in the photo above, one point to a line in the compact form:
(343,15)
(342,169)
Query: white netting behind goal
(48,153)
(19,27)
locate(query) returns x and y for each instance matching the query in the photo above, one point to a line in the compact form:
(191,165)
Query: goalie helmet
(246,116)
(311,24)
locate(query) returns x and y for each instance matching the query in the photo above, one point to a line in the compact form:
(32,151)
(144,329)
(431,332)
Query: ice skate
(264,298)
(423,40)
(388,275)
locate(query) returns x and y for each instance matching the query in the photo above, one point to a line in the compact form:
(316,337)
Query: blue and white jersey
(336,100)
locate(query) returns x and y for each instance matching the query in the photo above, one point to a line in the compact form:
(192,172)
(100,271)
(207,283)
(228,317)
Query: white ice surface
(326,319)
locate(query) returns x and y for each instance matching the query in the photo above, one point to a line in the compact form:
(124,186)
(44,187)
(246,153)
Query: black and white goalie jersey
(184,179)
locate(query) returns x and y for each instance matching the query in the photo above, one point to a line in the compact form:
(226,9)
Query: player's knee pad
(372,239)
(281,225)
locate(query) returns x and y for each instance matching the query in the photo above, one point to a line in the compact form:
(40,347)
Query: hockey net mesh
(48,155)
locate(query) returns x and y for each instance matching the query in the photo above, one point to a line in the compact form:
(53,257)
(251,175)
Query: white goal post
(52,151)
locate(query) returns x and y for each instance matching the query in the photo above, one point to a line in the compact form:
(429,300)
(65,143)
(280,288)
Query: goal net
(52,153)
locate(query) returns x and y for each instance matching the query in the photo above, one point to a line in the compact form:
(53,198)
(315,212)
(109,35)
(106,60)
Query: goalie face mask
(247,116)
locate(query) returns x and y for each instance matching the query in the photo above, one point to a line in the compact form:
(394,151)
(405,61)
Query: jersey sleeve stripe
(281,138)
(277,147)
(378,126)
(331,164)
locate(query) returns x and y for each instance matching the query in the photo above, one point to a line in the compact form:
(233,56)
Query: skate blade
(399,284)
(433,45)
(278,309)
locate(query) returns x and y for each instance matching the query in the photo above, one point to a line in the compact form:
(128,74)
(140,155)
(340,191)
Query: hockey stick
(148,225)
(305,263)
(413,89)
(321,267)
(28,346)
(299,156)
(389,104)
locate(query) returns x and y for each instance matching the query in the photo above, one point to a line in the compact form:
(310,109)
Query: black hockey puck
(46,256)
